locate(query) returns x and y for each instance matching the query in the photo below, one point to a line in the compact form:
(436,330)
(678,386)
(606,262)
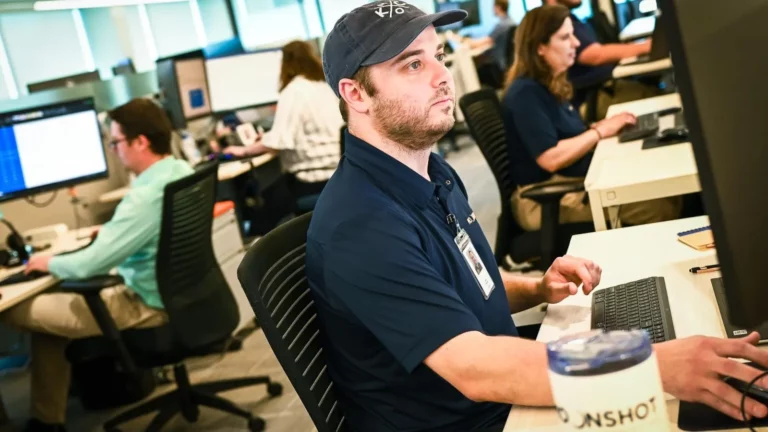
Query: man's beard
(409,126)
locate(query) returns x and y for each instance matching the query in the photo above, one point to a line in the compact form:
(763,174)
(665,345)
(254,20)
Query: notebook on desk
(699,238)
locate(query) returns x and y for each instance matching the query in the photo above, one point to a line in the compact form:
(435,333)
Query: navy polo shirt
(582,75)
(534,121)
(391,286)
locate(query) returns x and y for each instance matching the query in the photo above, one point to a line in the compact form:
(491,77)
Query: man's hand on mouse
(692,369)
(38,262)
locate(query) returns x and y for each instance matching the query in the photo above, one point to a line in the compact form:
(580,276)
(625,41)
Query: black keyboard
(647,125)
(20,277)
(637,305)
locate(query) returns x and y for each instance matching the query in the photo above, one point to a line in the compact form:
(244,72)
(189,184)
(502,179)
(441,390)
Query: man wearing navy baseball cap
(415,314)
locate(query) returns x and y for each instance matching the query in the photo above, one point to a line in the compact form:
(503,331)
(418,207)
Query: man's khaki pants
(56,318)
(573,208)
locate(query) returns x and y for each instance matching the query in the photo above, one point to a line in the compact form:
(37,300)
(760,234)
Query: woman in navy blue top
(548,141)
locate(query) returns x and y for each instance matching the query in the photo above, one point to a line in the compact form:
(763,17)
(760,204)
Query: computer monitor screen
(721,77)
(245,80)
(50,147)
(472,7)
(67,81)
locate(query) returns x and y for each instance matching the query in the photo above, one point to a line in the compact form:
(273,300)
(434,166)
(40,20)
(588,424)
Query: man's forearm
(596,55)
(522,292)
(495,368)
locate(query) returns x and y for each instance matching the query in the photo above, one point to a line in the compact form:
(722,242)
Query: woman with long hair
(307,125)
(548,141)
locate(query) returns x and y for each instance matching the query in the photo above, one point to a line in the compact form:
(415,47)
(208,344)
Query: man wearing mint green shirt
(141,138)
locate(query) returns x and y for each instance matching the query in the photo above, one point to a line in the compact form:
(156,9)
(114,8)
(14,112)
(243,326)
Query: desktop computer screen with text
(50,147)
(244,80)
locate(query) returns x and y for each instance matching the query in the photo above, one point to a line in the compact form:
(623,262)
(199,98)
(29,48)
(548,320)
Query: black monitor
(472,7)
(67,81)
(720,70)
(50,147)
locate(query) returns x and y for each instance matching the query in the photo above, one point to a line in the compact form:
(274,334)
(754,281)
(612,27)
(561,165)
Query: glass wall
(36,55)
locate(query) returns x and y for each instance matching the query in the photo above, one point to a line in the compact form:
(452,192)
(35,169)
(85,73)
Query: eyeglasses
(113,143)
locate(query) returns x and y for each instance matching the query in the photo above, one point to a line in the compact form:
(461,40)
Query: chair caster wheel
(275,389)
(256,425)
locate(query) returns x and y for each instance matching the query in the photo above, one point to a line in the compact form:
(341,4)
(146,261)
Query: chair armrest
(552,192)
(91,288)
(91,285)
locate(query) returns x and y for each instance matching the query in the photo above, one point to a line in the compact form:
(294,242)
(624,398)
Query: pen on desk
(705,269)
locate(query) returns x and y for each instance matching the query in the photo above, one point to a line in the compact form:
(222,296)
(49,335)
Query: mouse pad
(698,417)
(653,142)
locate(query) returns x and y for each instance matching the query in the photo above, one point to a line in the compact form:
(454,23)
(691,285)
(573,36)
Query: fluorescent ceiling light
(47,5)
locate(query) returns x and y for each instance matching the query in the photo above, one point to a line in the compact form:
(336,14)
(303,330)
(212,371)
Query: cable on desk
(747,421)
(31,200)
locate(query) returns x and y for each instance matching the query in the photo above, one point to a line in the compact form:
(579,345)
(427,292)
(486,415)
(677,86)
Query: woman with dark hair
(548,141)
(307,125)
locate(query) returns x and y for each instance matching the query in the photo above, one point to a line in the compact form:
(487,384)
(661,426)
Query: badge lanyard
(468,251)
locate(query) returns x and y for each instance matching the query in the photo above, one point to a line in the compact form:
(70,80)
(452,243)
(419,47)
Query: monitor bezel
(24,193)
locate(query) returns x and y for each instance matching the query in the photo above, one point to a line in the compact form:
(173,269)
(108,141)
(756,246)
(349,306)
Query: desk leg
(613,217)
(598,216)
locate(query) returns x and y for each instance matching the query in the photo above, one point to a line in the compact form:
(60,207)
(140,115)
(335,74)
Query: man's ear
(143,143)
(356,98)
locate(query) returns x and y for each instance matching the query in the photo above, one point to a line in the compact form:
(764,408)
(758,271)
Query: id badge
(475,263)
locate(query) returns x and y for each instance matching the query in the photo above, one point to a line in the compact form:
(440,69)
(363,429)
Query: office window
(218,26)
(103,38)
(314,26)
(172,27)
(36,55)
(269,23)
(516,11)
(333,10)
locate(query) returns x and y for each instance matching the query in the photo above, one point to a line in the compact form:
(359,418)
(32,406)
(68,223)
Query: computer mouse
(673,134)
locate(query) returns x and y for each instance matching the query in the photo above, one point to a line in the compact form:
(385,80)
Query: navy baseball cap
(374,33)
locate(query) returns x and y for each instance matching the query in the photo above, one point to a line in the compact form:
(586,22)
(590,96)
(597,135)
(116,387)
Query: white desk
(623,173)
(625,255)
(624,70)
(17,293)
(638,28)
(227,171)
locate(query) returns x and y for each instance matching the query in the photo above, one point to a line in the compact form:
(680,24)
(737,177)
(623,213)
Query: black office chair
(201,309)
(482,111)
(272,275)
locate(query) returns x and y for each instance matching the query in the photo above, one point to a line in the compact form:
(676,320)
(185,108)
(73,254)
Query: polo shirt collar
(395,177)
(149,174)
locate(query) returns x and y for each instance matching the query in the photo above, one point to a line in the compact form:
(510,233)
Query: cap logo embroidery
(386,9)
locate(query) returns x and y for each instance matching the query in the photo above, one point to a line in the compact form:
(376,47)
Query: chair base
(187,400)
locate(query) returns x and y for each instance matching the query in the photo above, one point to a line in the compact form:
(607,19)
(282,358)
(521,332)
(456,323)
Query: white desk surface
(624,71)
(638,28)
(622,173)
(625,255)
(17,293)
(227,171)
